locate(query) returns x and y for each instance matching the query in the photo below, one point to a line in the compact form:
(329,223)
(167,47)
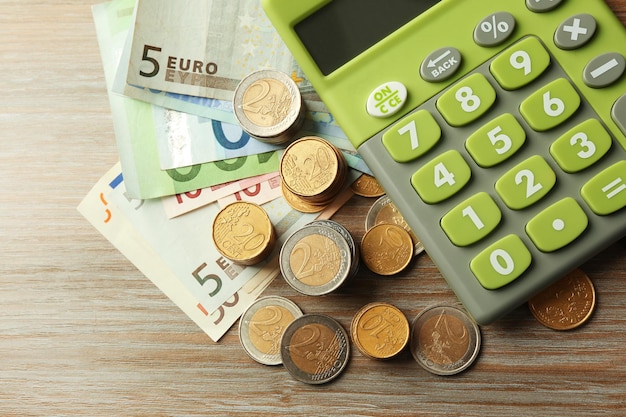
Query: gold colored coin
(243,233)
(267,102)
(367,186)
(380,330)
(386,249)
(299,204)
(383,211)
(313,169)
(566,304)
(315,260)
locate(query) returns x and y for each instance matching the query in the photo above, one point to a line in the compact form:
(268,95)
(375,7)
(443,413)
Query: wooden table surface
(82,332)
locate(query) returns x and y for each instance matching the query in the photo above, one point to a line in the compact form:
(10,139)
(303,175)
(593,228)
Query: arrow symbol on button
(434,62)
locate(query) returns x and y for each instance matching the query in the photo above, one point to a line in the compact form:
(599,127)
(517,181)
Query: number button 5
(412,137)
(497,141)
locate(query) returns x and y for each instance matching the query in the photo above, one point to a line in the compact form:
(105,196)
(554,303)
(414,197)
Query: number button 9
(521,64)
(467,100)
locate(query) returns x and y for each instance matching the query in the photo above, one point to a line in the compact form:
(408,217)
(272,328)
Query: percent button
(494,29)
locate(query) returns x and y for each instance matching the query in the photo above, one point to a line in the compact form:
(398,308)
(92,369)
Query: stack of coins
(268,106)
(312,171)
(315,349)
(318,258)
(367,186)
(380,330)
(262,326)
(386,249)
(384,211)
(444,340)
(243,233)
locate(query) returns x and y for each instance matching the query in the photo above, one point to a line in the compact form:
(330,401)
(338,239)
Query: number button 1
(526,183)
(521,64)
(501,263)
(471,220)
(442,177)
(551,105)
(467,100)
(412,137)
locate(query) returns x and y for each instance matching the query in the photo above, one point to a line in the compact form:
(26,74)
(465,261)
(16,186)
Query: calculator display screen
(341,30)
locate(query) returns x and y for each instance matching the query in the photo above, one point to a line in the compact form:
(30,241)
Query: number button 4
(442,177)
(412,137)
(467,100)
(526,183)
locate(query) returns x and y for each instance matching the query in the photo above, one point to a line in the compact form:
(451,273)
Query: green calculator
(497,127)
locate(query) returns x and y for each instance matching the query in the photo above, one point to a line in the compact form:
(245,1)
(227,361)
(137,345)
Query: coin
(299,204)
(566,304)
(380,330)
(315,349)
(243,233)
(313,169)
(367,186)
(345,233)
(268,106)
(262,326)
(444,340)
(315,260)
(384,211)
(386,249)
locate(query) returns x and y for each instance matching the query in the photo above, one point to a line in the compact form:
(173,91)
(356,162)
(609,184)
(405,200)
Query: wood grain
(84,333)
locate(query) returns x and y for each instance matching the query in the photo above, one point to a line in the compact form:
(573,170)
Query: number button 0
(520,64)
(501,263)
(581,147)
(467,100)
(526,183)
(497,141)
(551,105)
(471,220)
(412,137)
(442,177)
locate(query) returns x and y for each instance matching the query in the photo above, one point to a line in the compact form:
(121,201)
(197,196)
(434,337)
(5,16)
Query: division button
(386,99)
(440,64)
(494,29)
(604,70)
(540,6)
(575,31)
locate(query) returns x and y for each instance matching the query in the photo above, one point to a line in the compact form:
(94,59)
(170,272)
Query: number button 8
(467,100)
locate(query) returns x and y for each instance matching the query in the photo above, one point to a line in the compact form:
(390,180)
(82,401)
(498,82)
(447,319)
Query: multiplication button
(558,225)
(575,32)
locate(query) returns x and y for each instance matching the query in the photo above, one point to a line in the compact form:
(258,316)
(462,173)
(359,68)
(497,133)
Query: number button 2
(467,100)
(526,183)
(521,64)
(412,137)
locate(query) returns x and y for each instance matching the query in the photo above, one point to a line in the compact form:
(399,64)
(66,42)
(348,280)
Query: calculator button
(496,141)
(606,192)
(467,100)
(618,112)
(387,99)
(551,105)
(441,64)
(412,137)
(575,31)
(501,263)
(442,177)
(542,5)
(558,225)
(581,147)
(604,70)
(520,64)
(471,220)
(494,29)
(526,183)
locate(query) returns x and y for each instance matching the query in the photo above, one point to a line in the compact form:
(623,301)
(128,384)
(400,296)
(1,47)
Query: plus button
(575,29)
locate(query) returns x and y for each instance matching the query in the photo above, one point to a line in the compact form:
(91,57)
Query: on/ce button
(386,99)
